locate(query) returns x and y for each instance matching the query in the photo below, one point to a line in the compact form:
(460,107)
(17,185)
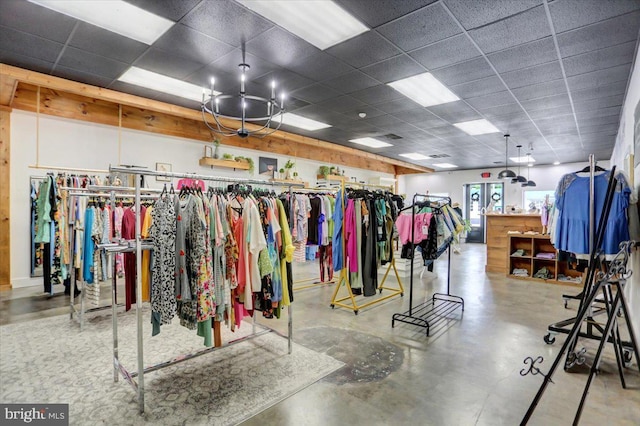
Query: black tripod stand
(616,276)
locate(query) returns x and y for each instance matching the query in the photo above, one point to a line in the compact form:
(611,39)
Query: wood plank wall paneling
(5,199)
(77,107)
(498,239)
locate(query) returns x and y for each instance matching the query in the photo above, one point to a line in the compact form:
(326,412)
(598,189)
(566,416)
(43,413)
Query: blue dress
(572,229)
(337,232)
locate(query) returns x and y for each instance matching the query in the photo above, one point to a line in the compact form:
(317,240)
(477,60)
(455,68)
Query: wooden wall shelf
(231,164)
(531,245)
(306,184)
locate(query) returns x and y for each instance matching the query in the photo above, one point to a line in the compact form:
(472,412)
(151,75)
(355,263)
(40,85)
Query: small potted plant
(332,170)
(216,144)
(288,166)
(249,160)
(280,174)
(227,156)
(295,175)
(323,171)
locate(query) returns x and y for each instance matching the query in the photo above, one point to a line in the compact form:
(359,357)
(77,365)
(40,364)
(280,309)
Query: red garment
(326,262)
(128,232)
(238,234)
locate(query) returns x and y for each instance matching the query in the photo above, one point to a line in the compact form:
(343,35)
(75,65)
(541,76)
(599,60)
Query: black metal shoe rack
(441,305)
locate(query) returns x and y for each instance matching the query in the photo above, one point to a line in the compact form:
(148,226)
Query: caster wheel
(627,357)
(355,312)
(333,306)
(401,294)
(549,339)
(566,304)
(380,292)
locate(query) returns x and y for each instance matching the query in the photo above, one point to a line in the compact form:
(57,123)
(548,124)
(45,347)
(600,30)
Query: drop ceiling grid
(323,79)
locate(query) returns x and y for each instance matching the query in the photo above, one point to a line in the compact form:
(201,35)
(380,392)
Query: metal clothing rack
(88,192)
(616,276)
(130,377)
(429,313)
(593,329)
(343,280)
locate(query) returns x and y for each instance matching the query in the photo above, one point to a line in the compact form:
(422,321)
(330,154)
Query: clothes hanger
(587,169)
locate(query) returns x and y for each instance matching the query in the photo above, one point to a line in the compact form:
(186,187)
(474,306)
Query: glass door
(481,197)
(474,197)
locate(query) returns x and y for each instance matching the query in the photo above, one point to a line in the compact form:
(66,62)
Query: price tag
(425,230)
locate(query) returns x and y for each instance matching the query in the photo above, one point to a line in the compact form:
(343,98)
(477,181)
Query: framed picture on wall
(266,166)
(163,167)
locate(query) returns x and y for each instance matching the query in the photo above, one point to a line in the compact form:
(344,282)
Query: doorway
(480,197)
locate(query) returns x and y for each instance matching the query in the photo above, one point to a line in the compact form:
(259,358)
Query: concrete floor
(465,373)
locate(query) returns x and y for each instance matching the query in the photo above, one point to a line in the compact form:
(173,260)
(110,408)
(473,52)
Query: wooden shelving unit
(230,164)
(531,245)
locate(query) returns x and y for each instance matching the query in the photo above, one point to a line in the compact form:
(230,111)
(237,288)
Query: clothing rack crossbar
(138,385)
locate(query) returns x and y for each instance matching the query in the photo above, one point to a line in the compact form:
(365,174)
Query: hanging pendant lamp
(506,173)
(519,178)
(529,182)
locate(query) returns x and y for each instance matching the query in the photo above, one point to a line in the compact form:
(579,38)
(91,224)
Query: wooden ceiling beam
(80,101)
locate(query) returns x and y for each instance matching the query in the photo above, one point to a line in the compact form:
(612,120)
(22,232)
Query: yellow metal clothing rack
(352,303)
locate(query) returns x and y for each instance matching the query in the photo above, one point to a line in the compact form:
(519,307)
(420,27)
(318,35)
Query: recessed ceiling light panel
(424,89)
(113,15)
(522,159)
(370,142)
(321,23)
(415,156)
(302,122)
(477,127)
(445,165)
(162,83)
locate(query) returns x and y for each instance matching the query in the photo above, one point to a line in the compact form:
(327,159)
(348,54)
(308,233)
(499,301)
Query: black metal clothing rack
(429,313)
(591,329)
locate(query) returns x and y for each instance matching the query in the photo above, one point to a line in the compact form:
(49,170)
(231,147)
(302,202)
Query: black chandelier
(216,102)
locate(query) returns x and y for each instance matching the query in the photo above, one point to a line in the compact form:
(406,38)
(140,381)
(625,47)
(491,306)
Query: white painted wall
(70,143)
(451,182)
(620,158)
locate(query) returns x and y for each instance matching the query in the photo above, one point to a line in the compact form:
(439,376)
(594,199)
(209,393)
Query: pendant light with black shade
(506,173)
(529,182)
(519,178)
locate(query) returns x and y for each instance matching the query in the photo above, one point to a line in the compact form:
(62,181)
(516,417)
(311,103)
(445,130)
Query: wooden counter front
(498,240)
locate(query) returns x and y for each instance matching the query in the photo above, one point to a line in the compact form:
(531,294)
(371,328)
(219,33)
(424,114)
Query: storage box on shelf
(524,254)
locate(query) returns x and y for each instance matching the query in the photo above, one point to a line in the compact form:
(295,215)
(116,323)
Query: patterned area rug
(51,361)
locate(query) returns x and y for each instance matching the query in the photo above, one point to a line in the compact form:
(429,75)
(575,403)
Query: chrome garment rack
(431,312)
(90,191)
(136,379)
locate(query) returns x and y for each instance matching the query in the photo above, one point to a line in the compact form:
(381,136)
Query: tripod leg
(582,314)
(596,362)
(615,332)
